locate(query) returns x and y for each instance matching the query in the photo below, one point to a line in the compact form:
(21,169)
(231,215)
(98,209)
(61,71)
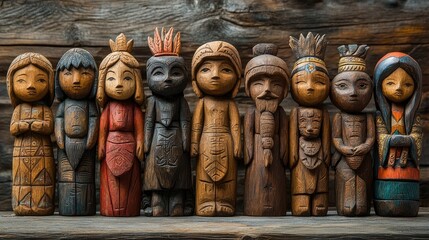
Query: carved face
(77,83)
(310,87)
(167,75)
(30,84)
(398,86)
(120,82)
(267,92)
(309,122)
(216,77)
(351,91)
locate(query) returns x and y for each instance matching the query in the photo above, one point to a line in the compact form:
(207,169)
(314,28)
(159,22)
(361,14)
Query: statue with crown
(309,130)
(167,171)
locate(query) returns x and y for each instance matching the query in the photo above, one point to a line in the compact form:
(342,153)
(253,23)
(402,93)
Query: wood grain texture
(98,227)
(53,27)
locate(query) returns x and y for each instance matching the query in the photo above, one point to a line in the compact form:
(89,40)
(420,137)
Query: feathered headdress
(164,44)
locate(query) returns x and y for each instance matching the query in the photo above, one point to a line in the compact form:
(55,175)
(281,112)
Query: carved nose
(169,81)
(31,87)
(119,86)
(76,80)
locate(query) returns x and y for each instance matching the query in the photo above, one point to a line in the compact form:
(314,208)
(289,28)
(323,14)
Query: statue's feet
(148,211)
(177,210)
(301,211)
(320,210)
(188,211)
(158,211)
(225,209)
(206,209)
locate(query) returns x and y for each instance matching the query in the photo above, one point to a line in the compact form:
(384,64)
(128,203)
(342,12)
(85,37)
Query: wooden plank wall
(52,27)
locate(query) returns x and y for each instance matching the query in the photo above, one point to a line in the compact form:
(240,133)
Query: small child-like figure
(167,174)
(76,131)
(354,133)
(30,85)
(309,128)
(398,90)
(216,71)
(120,141)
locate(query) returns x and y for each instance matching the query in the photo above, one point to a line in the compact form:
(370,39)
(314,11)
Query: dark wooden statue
(309,127)
(30,85)
(167,172)
(215,139)
(266,134)
(120,141)
(354,133)
(398,90)
(76,132)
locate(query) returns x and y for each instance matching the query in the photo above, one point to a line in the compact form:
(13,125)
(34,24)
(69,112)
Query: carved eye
(21,80)
(341,86)
(67,73)
(41,80)
(111,79)
(158,73)
(205,69)
(390,83)
(128,78)
(409,85)
(363,85)
(320,82)
(86,73)
(226,70)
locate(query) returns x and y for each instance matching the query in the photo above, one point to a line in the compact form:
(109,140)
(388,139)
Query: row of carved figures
(167,137)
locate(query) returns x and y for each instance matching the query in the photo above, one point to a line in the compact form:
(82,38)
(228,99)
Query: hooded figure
(215,139)
(30,85)
(398,84)
(120,140)
(266,133)
(76,131)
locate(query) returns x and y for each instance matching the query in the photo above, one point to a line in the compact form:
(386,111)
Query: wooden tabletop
(238,227)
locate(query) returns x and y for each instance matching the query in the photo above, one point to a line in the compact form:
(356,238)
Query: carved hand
(101,151)
(237,151)
(348,151)
(139,152)
(361,149)
(400,141)
(37,126)
(194,149)
(23,126)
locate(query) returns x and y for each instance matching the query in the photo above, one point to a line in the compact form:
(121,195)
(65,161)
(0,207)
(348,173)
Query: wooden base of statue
(396,198)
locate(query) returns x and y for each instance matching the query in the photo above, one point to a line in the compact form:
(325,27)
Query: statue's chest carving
(354,129)
(76,119)
(167,112)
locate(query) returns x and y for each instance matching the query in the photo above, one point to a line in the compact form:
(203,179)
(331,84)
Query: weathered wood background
(52,27)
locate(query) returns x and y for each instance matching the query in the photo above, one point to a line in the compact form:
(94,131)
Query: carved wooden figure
(354,133)
(76,132)
(215,139)
(309,127)
(398,86)
(167,174)
(30,85)
(266,134)
(120,141)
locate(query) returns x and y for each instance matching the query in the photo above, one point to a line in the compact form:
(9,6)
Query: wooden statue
(76,131)
(120,141)
(30,85)
(215,139)
(167,172)
(266,134)
(354,133)
(309,127)
(398,90)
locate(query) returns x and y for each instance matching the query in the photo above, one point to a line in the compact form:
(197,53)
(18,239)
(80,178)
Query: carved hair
(309,46)
(75,58)
(24,60)
(352,57)
(120,52)
(386,66)
(216,50)
(266,62)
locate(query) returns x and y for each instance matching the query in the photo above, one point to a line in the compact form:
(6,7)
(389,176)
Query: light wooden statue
(266,134)
(215,137)
(354,133)
(120,141)
(398,90)
(30,85)
(167,173)
(309,127)
(76,132)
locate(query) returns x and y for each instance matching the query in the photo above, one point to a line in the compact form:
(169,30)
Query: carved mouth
(214,82)
(31,92)
(398,94)
(353,100)
(119,91)
(77,87)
